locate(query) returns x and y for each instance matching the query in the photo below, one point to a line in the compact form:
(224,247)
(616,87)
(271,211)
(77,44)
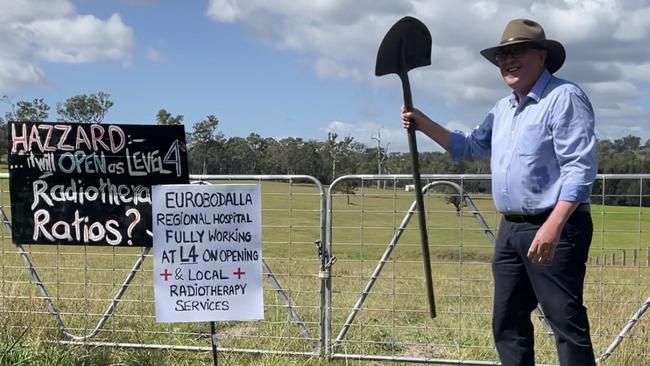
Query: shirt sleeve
(476,145)
(575,144)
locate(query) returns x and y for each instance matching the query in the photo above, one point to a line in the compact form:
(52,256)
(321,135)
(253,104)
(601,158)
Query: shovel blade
(407,45)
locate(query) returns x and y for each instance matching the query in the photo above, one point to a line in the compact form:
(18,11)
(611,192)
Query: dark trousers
(519,285)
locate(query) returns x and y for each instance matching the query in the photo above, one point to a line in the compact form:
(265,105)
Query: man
(543,160)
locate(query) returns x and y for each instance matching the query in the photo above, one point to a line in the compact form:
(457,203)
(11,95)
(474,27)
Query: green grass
(392,322)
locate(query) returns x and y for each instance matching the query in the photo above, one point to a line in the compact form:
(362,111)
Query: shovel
(407,45)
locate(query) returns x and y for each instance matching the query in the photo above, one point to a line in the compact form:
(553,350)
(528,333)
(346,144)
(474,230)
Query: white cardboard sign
(207,252)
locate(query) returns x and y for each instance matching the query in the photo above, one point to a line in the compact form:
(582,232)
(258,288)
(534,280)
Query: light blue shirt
(542,148)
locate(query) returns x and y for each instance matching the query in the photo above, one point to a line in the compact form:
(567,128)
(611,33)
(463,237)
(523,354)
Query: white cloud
(636,71)
(367,133)
(606,41)
(81,39)
(636,27)
(26,11)
(577,21)
(14,74)
(616,119)
(393,138)
(224,10)
(621,110)
(33,33)
(153,55)
(329,68)
(613,88)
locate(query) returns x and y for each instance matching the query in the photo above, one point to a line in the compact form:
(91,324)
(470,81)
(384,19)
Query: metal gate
(104,296)
(379,310)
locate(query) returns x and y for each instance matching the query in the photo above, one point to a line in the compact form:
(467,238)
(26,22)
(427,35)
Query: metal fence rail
(343,276)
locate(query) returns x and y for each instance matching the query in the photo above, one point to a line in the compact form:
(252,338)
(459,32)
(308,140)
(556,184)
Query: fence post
(624,257)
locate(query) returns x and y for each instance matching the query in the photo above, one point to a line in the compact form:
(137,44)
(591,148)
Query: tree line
(210,152)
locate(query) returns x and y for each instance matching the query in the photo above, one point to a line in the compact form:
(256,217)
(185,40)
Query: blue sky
(305,68)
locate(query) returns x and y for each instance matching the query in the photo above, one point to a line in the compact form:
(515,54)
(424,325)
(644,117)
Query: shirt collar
(537,91)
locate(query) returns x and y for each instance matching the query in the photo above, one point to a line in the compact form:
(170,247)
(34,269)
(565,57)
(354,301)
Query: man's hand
(421,122)
(546,240)
(411,117)
(542,249)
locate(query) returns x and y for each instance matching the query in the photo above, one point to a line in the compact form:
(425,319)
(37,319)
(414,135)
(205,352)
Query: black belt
(542,216)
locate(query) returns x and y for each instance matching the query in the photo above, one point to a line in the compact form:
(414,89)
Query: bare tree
(382,154)
(337,149)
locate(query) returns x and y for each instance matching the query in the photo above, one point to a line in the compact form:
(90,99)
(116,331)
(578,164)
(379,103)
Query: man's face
(521,65)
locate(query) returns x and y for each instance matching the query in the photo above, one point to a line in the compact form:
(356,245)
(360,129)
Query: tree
(291,149)
(275,159)
(381,151)
(628,142)
(302,157)
(237,157)
(206,130)
(205,141)
(85,108)
(313,161)
(164,118)
(35,111)
(258,147)
(336,150)
(347,187)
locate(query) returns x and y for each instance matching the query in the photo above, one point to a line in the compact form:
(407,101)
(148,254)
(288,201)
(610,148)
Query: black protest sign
(90,184)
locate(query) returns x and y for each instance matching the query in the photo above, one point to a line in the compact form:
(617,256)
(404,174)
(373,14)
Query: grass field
(392,322)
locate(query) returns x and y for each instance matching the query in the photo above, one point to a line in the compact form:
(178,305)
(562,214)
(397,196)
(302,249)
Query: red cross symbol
(239,273)
(166,274)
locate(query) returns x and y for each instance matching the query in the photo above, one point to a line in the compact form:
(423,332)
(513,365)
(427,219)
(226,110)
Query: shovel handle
(413,147)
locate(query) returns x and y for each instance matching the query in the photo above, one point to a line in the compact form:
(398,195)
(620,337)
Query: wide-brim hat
(529,31)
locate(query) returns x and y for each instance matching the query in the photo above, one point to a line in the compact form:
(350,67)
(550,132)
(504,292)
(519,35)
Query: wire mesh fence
(343,276)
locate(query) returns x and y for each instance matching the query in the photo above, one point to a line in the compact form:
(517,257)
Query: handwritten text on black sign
(90,183)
